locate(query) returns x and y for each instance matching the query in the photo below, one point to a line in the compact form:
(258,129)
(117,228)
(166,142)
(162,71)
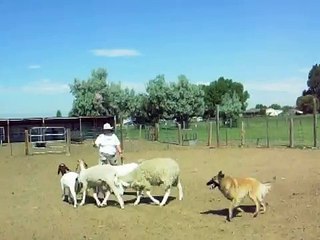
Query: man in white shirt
(108,144)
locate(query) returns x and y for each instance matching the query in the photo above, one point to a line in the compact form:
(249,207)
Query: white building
(273,112)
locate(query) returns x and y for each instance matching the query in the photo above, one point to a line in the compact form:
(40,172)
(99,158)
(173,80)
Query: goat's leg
(138,198)
(152,198)
(63,192)
(179,186)
(165,197)
(84,192)
(104,202)
(95,196)
(74,196)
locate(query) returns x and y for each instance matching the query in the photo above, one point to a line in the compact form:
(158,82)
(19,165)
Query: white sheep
(69,181)
(154,172)
(97,175)
(121,171)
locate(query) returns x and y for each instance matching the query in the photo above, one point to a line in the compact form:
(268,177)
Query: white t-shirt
(107,143)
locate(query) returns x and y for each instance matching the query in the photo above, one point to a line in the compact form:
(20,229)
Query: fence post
(218,125)
(26,142)
(226,136)
(267,126)
(68,142)
(157,131)
(121,133)
(140,131)
(291,139)
(314,122)
(179,134)
(210,134)
(8,137)
(242,142)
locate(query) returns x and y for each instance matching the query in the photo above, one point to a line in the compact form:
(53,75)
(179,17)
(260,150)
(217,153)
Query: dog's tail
(264,188)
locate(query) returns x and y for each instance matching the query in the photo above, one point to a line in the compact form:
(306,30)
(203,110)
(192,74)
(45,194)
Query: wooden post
(267,128)
(218,125)
(315,110)
(242,141)
(157,131)
(80,127)
(68,142)
(121,134)
(210,134)
(179,134)
(8,136)
(140,131)
(26,142)
(226,136)
(291,139)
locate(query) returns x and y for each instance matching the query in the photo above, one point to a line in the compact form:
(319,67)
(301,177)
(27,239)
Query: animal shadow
(147,200)
(225,211)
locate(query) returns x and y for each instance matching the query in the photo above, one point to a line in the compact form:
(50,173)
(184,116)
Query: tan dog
(236,189)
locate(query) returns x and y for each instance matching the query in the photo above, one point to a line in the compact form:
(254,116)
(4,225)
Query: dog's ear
(220,174)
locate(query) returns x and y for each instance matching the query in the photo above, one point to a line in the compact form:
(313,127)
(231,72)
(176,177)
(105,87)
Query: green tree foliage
(305,103)
(275,106)
(260,106)
(88,94)
(58,114)
(97,97)
(217,89)
(186,100)
(231,107)
(119,101)
(313,81)
(157,104)
(286,108)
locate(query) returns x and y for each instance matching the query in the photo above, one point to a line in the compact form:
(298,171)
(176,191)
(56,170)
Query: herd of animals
(143,175)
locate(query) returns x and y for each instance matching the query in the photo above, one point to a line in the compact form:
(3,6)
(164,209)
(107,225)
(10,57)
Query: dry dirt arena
(31,205)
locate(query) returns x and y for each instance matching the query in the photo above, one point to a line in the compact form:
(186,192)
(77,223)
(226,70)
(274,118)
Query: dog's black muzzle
(213,184)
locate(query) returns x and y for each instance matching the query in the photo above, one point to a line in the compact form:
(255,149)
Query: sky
(268,46)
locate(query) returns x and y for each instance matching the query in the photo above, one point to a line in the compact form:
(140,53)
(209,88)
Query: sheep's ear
(220,174)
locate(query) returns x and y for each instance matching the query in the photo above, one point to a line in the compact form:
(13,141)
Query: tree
(157,104)
(260,106)
(231,107)
(275,106)
(58,114)
(314,81)
(89,95)
(286,108)
(186,100)
(118,101)
(217,89)
(305,103)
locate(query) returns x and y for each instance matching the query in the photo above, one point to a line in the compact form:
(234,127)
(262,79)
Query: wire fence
(281,131)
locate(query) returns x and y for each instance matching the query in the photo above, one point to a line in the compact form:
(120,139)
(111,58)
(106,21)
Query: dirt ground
(31,205)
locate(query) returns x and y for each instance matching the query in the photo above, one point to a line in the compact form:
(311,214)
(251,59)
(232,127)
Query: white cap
(107,126)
